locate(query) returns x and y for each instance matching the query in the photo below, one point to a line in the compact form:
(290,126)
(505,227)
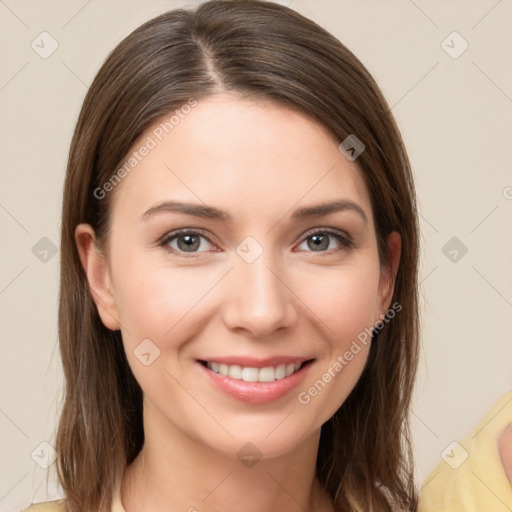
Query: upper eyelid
(331,231)
(164,240)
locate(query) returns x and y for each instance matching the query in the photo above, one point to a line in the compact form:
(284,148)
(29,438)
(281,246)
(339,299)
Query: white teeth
(235,371)
(267,374)
(281,371)
(247,374)
(250,374)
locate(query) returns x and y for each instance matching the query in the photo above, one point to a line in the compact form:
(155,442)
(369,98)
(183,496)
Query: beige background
(456,118)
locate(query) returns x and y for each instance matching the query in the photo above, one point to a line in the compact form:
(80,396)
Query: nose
(260,299)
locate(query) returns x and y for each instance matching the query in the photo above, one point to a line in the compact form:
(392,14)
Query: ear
(388,275)
(97,273)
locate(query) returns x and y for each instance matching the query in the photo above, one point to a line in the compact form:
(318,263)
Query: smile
(255,384)
(249,374)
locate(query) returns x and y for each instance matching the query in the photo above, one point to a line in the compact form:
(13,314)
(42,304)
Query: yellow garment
(479,483)
(58,505)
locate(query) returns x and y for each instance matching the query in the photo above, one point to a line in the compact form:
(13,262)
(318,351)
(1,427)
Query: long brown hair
(262,50)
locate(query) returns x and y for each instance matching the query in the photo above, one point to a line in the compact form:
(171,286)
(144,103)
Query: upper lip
(255,362)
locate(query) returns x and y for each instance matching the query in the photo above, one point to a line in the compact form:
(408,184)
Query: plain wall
(455,115)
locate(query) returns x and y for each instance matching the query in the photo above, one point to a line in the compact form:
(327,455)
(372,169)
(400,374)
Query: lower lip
(255,392)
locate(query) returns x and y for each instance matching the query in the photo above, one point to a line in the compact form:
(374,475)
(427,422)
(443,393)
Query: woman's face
(260,277)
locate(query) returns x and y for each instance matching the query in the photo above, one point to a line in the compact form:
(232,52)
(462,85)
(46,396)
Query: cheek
(159,309)
(345,303)
(153,303)
(344,299)
(156,301)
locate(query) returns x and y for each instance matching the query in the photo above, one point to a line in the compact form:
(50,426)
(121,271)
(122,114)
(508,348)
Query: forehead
(248,156)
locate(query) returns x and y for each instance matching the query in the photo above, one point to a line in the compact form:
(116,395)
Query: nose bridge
(259,299)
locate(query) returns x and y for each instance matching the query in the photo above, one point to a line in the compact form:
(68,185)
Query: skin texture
(505,444)
(259,161)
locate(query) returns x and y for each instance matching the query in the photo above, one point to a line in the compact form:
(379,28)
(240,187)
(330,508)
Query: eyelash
(345,242)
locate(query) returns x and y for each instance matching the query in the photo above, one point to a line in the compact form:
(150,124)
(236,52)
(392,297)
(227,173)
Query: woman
(238,303)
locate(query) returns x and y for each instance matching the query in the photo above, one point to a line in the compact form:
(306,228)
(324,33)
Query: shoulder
(47,506)
(470,468)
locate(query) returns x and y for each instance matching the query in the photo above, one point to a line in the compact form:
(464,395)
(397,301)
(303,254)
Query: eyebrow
(210,212)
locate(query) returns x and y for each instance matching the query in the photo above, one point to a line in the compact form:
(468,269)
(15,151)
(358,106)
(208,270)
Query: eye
(320,241)
(196,241)
(186,241)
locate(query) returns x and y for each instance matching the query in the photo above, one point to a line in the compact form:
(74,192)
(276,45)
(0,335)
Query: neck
(175,472)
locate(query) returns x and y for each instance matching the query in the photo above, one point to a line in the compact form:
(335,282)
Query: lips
(255,381)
